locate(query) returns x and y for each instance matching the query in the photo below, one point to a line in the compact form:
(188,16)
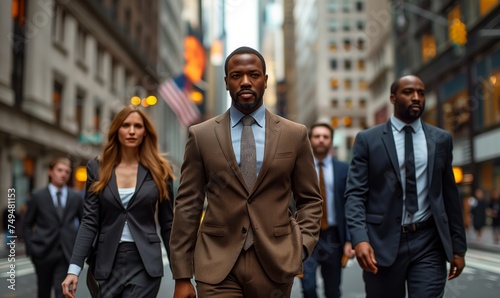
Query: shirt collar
(53,189)
(326,161)
(400,125)
(259,115)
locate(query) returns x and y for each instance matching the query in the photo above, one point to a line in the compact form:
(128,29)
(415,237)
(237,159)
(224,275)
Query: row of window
(348,64)
(334,5)
(348,84)
(347,45)
(349,103)
(347,25)
(348,121)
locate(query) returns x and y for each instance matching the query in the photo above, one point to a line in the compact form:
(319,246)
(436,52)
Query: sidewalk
(486,242)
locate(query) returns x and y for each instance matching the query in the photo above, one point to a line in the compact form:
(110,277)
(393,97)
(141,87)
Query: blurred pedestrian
(334,240)
(494,210)
(125,187)
(478,212)
(403,207)
(50,226)
(246,163)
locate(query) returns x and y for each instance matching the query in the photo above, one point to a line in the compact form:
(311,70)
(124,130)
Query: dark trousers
(50,272)
(327,254)
(129,278)
(246,279)
(420,266)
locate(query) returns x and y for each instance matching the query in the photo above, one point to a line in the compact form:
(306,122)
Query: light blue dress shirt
(330,186)
(421,155)
(258,129)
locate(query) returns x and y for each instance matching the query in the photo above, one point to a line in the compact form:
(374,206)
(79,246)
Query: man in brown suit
(249,243)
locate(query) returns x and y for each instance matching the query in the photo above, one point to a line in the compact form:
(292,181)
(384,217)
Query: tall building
(67,67)
(331,78)
(460,66)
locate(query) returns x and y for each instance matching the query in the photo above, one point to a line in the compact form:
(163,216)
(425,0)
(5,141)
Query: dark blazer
(374,195)
(104,215)
(340,170)
(43,229)
(210,170)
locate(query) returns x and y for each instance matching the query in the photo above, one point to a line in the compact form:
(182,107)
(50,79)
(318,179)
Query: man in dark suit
(334,240)
(403,207)
(249,243)
(50,226)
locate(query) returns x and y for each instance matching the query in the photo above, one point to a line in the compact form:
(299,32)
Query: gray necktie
(59,207)
(248,163)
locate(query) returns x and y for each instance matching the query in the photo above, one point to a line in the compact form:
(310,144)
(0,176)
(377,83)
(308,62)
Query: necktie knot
(408,129)
(247,120)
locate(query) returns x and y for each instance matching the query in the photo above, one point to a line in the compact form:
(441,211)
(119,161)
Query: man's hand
(366,257)
(69,285)
(184,288)
(456,266)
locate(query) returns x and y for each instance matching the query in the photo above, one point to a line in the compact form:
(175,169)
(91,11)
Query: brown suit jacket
(210,170)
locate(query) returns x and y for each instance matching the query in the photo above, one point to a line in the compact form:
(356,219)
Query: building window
(97,117)
(348,103)
(333,64)
(58,24)
(347,45)
(57,101)
(332,6)
(491,103)
(334,84)
(335,103)
(347,84)
(428,47)
(347,64)
(360,25)
(362,85)
(362,103)
(99,63)
(346,5)
(333,46)
(361,44)
(80,105)
(347,25)
(333,25)
(362,123)
(81,44)
(361,64)
(359,6)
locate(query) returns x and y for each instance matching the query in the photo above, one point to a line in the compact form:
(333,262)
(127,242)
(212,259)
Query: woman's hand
(69,285)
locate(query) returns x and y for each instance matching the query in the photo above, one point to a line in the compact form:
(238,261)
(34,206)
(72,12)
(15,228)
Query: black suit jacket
(340,170)
(43,229)
(104,215)
(374,193)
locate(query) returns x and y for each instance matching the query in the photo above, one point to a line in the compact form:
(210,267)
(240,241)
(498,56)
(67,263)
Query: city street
(481,278)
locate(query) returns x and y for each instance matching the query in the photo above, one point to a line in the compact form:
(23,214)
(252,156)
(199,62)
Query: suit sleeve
(356,192)
(306,194)
(188,210)
(29,222)
(90,220)
(453,203)
(166,216)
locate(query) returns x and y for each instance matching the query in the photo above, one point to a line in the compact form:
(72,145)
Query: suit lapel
(388,140)
(272,138)
(50,202)
(431,150)
(114,189)
(141,176)
(223,134)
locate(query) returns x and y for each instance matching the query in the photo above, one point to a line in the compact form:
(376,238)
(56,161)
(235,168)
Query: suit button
(244,230)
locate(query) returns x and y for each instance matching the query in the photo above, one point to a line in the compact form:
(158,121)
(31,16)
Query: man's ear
(393,98)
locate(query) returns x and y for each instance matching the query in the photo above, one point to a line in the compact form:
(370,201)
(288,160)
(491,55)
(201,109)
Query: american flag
(177,97)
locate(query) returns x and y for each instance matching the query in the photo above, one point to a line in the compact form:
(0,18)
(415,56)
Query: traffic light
(458,32)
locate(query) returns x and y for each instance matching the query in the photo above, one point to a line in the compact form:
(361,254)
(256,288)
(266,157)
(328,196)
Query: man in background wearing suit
(334,240)
(403,207)
(247,163)
(51,224)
